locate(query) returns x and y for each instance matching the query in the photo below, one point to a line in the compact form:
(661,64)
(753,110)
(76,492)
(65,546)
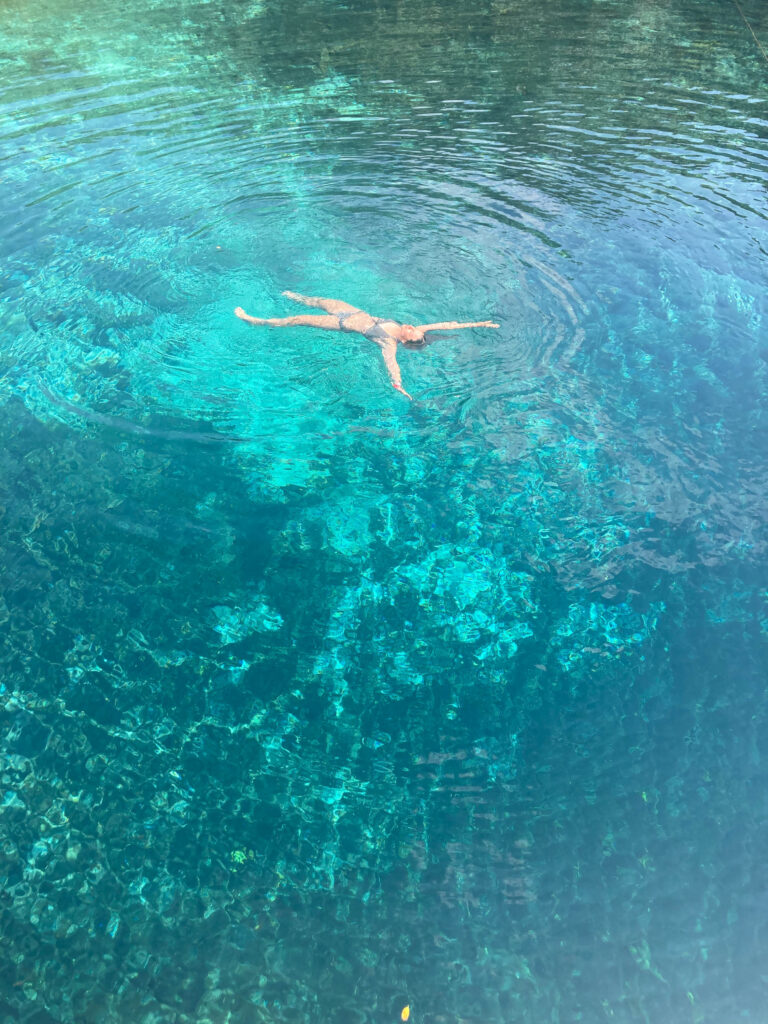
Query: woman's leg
(329,305)
(329,323)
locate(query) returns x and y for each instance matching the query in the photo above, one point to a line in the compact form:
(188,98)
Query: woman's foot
(248,319)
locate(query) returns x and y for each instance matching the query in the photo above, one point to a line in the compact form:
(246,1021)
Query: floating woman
(383,332)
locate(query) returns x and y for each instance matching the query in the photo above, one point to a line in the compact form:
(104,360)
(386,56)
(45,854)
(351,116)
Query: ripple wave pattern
(319,703)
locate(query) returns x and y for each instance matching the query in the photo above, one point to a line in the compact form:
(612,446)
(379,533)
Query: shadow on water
(124,426)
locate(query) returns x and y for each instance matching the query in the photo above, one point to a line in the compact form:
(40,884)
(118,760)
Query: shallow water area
(319,703)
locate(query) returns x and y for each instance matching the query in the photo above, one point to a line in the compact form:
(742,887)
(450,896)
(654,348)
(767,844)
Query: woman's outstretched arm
(453,325)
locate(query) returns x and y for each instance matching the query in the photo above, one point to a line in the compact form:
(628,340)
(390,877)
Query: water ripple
(145,206)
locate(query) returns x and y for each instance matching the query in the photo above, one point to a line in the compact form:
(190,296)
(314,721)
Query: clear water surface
(316,703)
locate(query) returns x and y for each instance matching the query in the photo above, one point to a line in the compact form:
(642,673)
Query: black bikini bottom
(343,317)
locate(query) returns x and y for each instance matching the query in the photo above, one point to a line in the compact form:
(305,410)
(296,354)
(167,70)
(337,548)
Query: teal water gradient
(315,702)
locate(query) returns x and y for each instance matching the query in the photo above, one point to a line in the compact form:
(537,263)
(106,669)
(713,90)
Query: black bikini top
(375,332)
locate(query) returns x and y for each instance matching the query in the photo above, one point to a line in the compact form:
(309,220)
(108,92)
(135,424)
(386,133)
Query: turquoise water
(316,703)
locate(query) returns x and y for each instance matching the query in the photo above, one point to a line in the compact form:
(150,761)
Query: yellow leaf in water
(405,1013)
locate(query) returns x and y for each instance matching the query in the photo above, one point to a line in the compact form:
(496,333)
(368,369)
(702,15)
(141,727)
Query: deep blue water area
(315,702)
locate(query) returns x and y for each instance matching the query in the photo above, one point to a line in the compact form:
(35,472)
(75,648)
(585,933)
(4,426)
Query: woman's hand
(401,389)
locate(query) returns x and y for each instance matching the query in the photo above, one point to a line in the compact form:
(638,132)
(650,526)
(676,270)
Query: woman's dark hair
(429,338)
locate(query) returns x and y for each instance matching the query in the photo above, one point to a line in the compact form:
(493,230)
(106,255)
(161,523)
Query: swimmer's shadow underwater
(122,425)
(187,517)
